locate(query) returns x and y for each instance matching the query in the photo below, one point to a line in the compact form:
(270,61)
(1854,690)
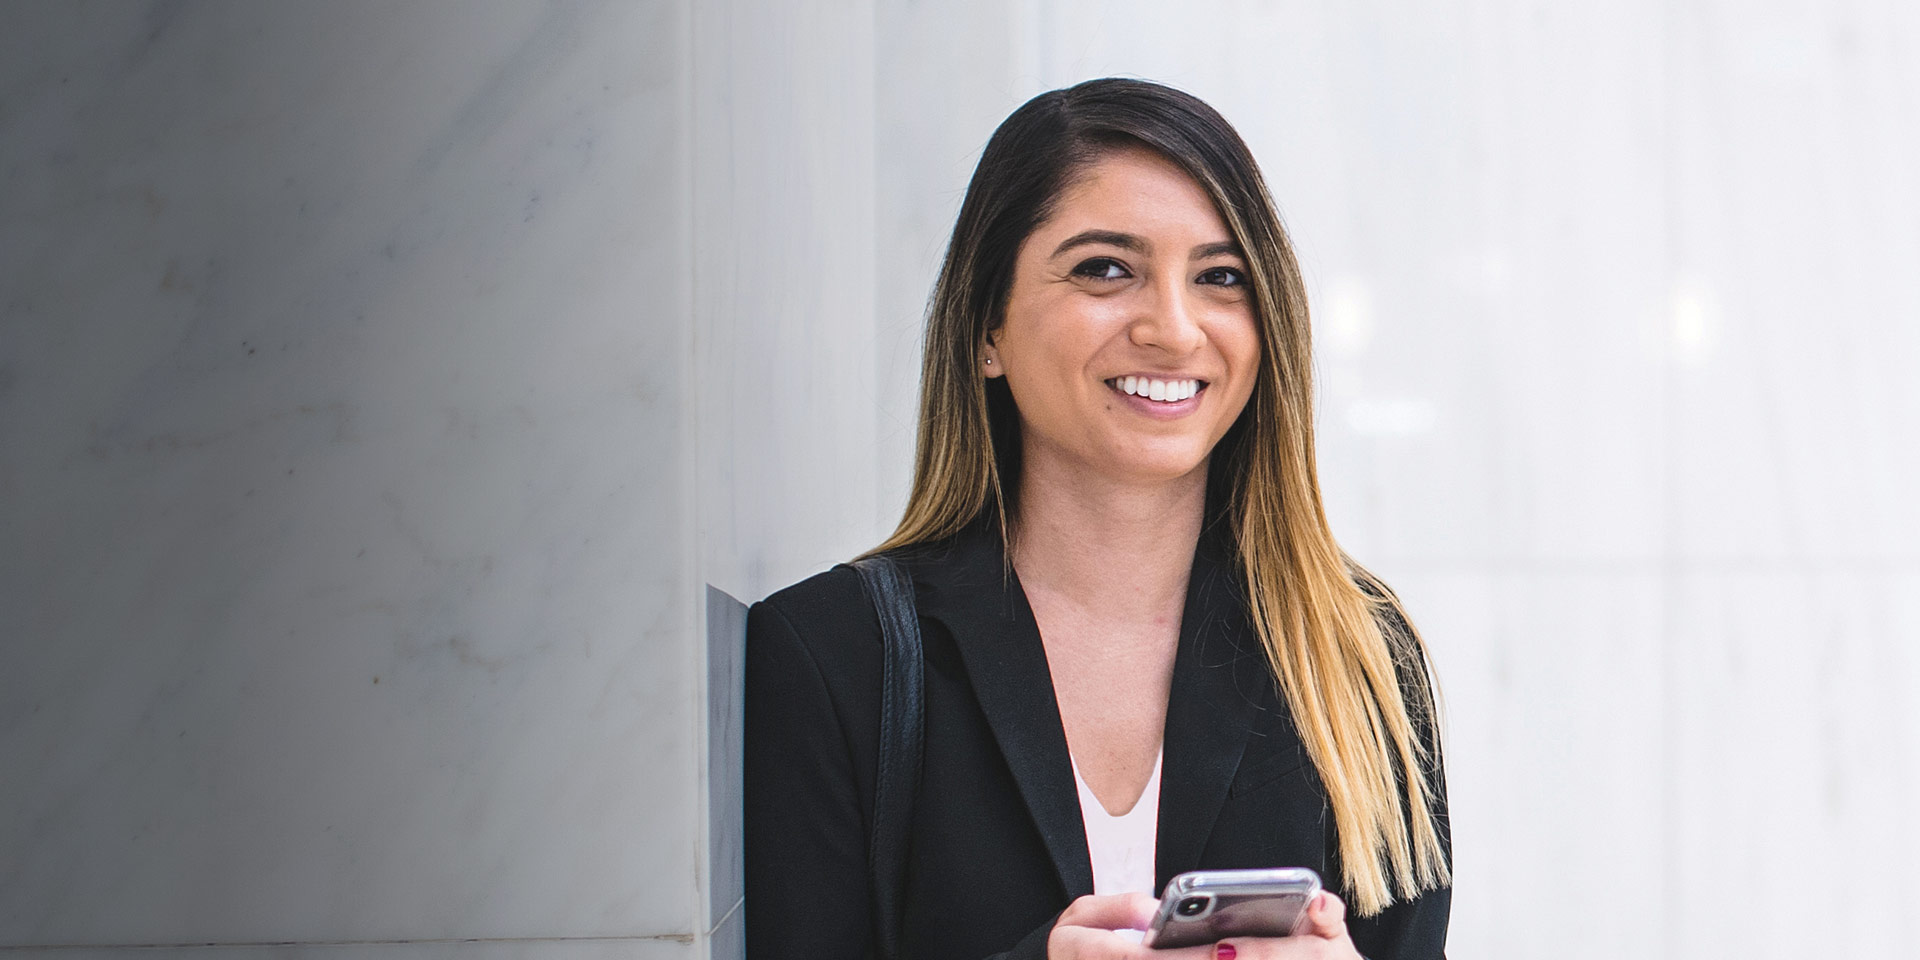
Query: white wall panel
(1557,728)
(1792,766)
(1797,409)
(783,270)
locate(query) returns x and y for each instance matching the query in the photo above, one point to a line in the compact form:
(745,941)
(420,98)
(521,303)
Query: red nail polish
(1224,951)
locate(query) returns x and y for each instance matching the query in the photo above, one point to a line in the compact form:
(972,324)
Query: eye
(1101,268)
(1224,277)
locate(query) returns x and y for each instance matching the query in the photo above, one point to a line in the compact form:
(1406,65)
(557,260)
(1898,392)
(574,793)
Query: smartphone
(1205,906)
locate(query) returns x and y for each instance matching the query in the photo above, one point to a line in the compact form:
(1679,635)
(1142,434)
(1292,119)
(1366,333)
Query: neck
(1124,545)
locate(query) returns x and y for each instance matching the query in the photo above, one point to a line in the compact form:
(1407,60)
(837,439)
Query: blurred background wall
(382,386)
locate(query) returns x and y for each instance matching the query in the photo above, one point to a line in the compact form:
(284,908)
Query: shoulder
(829,598)
(830,616)
(826,614)
(834,601)
(830,613)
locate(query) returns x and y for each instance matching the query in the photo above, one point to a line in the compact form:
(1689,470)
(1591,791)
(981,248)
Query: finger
(1280,948)
(1092,943)
(1262,948)
(1125,911)
(1327,916)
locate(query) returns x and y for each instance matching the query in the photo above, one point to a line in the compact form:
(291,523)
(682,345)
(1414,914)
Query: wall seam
(694,584)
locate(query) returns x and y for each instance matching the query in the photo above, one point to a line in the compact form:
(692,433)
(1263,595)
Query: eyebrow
(1225,248)
(1127,241)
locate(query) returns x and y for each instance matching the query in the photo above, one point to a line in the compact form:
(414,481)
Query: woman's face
(1129,341)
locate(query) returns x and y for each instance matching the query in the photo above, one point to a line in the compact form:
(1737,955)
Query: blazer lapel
(977,597)
(969,588)
(1208,713)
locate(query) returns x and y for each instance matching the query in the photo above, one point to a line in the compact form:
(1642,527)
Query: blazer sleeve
(805,833)
(805,809)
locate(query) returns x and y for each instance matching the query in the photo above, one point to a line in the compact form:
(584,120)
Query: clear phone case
(1205,906)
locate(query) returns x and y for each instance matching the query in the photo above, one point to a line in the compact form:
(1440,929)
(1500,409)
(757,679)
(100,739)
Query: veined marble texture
(382,388)
(346,585)
(365,455)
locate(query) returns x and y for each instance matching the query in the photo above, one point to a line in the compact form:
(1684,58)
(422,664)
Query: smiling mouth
(1162,391)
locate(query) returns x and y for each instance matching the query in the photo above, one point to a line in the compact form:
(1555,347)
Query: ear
(990,363)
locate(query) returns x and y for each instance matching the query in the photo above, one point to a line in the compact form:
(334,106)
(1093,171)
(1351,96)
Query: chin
(1167,465)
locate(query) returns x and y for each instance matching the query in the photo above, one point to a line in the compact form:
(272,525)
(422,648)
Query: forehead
(1133,189)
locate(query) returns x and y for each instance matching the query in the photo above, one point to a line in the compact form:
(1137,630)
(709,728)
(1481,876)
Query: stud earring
(989,361)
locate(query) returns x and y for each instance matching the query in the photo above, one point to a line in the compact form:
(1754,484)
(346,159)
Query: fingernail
(1224,951)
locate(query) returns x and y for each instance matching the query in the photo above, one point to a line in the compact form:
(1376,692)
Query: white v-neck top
(1121,847)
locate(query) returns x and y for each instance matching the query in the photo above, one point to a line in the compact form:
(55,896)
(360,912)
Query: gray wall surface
(379,388)
(393,397)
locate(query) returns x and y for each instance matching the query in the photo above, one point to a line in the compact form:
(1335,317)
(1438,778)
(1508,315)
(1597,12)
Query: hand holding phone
(1206,906)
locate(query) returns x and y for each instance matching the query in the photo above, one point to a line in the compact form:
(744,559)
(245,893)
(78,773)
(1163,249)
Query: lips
(1170,390)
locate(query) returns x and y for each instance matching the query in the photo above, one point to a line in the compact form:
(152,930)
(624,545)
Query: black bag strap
(903,718)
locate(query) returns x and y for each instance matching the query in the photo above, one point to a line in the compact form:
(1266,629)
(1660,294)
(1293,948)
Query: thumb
(1327,916)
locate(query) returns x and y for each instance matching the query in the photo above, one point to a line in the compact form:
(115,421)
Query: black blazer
(998,847)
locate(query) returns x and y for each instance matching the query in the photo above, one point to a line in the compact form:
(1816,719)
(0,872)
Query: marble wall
(392,396)
(379,388)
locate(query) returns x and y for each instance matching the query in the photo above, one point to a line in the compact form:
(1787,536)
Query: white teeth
(1165,391)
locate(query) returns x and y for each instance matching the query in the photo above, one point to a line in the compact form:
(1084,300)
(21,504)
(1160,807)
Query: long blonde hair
(1351,668)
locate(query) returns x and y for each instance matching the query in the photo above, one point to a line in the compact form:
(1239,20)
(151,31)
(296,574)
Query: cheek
(1057,341)
(1037,377)
(1241,345)
(1238,339)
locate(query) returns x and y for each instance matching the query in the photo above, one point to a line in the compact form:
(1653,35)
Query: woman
(1144,652)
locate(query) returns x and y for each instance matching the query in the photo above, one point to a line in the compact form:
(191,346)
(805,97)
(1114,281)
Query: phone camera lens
(1191,907)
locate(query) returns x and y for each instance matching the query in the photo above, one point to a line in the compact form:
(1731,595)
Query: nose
(1168,321)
